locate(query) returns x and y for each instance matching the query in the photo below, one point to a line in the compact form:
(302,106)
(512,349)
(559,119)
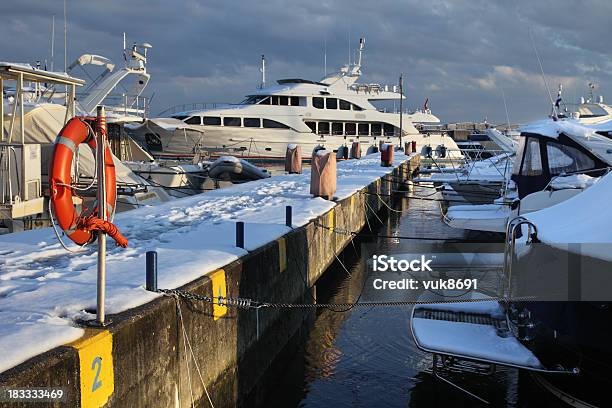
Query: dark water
(367,357)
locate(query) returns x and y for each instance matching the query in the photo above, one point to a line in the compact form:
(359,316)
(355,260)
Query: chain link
(244,303)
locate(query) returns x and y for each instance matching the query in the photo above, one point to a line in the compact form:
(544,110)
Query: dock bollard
(356,150)
(293,159)
(342,153)
(240,234)
(386,155)
(151,271)
(323,174)
(288,216)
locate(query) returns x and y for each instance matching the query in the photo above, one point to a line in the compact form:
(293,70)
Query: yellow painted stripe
(282,254)
(219,288)
(96,369)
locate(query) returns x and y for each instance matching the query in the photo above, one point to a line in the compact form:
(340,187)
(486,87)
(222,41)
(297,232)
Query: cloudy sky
(465,55)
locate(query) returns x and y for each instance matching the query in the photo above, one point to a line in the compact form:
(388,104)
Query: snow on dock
(43,288)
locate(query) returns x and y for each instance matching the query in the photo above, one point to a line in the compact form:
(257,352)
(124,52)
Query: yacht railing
(134,105)
(373,88)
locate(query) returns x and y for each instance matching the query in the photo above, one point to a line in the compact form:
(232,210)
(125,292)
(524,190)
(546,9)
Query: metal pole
(401,89)
(73,103)
(151,271)
(1,109)
(101,144)
(288,216)
(240,234)
(71,113)
(20,96)
(12,125)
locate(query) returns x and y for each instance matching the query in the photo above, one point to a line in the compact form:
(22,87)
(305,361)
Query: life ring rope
(81,228)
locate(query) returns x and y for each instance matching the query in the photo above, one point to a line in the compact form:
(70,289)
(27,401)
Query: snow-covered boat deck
(44,289)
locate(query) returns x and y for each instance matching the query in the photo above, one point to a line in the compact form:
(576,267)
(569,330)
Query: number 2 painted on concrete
(96,382)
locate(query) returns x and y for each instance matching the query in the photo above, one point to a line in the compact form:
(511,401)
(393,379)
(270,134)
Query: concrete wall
(142,352)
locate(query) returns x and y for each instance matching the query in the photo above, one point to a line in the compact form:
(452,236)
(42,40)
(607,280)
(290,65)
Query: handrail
(510,243)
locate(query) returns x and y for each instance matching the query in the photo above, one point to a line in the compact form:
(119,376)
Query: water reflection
(366,356)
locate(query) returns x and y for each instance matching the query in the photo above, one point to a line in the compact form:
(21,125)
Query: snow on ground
(43,288)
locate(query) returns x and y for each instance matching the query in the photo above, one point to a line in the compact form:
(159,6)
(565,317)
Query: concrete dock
(144,357)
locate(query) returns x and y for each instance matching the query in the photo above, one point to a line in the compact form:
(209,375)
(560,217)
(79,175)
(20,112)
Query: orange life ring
(80,227)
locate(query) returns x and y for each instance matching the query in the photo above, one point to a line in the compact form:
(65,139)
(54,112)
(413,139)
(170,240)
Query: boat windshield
(253,100)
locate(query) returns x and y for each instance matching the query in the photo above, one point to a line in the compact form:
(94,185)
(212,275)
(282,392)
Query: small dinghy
(234,169)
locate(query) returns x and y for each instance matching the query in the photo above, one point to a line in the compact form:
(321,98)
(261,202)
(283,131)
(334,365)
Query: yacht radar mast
(348,74)
(263,72)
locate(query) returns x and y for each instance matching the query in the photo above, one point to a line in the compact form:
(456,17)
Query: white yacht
(32,115)
(590,110)
(555,160)
(332,112)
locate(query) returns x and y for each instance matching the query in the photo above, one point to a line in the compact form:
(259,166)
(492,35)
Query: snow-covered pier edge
(140,358)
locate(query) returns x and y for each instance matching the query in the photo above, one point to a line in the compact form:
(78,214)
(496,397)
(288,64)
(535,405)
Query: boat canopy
(548,149)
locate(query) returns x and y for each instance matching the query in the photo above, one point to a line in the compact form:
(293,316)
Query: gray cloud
(459,53)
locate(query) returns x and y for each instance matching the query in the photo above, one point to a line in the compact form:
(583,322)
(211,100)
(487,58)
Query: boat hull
(268,144)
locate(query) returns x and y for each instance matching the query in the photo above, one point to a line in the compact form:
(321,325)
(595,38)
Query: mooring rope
(195,361)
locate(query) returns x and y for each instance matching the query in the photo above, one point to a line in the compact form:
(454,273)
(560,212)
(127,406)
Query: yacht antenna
(505,107)
(401,89)
(349,47)
(124,50)
(361,47)
(263,71)
(65,40)
(559,99)
(52,40)
(555,113)
(325,55)
(591,88)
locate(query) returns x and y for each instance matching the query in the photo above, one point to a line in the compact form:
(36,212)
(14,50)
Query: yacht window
(231,121)
(312,126)
(331,103)
(272,124)
(567,159)
(284,100)
(212,120)
(337,128)
(324,128)
(357,108)
(317,103)
(180,117)
(350,128)
(275,100)
(345,105)
(252,100)
(376,129)
(389,129)
(516,166)
(265,101)
(364,129)
(194,120)
(252,122)
(295,101)
(532,163)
